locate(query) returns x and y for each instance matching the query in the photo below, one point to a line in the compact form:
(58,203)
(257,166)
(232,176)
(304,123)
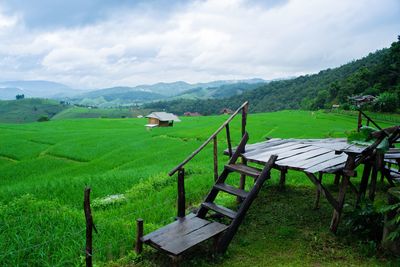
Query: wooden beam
(181,193)
(139,235)
(89,228)
(174,170)
(215,157)
(323,190)
(228,140)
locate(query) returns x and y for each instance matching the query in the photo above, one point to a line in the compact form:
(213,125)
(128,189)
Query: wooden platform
(177,237)
(307,155)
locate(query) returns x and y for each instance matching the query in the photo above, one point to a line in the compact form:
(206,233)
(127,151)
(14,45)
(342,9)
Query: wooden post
(181,193)
(215,152)
(282,179)
(364,182)
(89,228)
(228,140)
(318,192)
(337,179)
(242,183)
(359,121)
(139,235)
(244,118)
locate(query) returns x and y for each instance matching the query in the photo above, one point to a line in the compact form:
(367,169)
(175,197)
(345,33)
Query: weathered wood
(231,190)
(242,182)
(359,121)
(372,185)
(181,193)
(327,164)
(228,140)
(363,183)
(244,169)
(318,192)
(282,179)
(139,235)
(337,179)
(368,118)
(350,165)
(230,232)
(244,117)
(183,234)
(89,228)
(219,209)
(174,170)
(323,190)
(215,157)
(303,157)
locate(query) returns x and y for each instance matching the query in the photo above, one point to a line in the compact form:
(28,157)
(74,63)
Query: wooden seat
(177,237)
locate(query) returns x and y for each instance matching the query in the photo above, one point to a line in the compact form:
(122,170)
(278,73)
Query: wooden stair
(186,232)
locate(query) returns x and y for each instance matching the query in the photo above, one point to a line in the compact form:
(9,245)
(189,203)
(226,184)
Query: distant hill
(377,74)
(41,89)
(28,110)
(125,96)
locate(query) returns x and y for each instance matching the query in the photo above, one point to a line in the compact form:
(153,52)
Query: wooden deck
(307,155)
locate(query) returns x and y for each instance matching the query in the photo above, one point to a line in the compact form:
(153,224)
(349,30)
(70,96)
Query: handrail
(174,170)
(359,123)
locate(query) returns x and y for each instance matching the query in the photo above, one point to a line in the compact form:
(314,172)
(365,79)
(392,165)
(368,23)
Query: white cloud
(201,41)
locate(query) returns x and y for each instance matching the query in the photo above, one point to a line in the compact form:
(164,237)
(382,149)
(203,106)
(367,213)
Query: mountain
(123,95)
(377,74)
(43,89)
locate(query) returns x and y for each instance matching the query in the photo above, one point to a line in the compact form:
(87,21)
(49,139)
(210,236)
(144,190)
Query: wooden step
(177,237)
(219,209)
(244,169)
(231,190)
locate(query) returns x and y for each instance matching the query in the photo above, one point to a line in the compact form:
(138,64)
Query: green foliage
(43,118)
(365,222)
(386,102)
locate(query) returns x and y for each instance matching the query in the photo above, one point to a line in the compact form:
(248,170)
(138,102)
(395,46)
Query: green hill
(377,74)
(28,110)
(83,112)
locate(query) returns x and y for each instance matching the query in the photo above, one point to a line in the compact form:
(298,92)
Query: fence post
(139,235)
(181,193)
(244,118)
(89,227)
(228,140)
(215,152)
(359,121)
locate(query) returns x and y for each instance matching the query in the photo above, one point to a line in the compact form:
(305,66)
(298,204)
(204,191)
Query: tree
(386,102)
(22,96)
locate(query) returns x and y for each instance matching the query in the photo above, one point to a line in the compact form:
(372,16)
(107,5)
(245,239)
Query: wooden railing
(361,114)
(243,109)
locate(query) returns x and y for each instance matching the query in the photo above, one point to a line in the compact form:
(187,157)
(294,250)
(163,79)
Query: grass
(82,112)
(44,168)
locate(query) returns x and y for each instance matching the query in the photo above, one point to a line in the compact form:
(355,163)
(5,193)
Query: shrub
(43,118)
(386,102)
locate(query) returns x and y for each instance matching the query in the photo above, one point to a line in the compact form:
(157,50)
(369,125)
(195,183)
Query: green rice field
(44,168)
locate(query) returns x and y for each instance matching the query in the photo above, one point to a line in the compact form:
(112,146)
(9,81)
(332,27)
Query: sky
(98,43)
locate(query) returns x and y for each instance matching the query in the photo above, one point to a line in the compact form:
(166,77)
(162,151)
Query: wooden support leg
(282,179)
(338,211)
(318,192)
(372,186)
(364,183)
(242,183)
(139,235)
(176,261)
(337,179)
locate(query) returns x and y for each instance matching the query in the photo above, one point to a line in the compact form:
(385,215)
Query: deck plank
(327,164)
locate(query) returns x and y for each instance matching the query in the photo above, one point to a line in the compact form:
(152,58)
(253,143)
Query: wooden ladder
(190,230)
(247,197)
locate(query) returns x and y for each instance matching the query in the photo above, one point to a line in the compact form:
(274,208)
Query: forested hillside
(377,74)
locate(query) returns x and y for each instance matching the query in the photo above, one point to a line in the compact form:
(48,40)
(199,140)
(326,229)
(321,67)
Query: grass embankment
(45,166)
(82,112)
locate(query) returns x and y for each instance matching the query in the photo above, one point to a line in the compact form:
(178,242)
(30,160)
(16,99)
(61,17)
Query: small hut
(191,114)
(226,111)
(161,119)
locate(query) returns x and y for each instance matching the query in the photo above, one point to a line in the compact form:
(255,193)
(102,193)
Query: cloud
(196,41)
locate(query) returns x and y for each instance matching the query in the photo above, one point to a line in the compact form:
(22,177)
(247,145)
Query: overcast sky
(98,43)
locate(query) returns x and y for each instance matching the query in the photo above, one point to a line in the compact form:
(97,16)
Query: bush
(43,118)
(386,102)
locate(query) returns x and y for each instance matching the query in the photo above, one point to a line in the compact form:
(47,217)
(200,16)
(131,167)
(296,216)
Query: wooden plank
(298,160)
(317,160)
(244,169)
(266,148)
(219,209)
(231,190)
(184,224)
(182,243)
(264,156)
(324,165)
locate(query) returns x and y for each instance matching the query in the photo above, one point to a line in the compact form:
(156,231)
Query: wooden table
(313,156)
